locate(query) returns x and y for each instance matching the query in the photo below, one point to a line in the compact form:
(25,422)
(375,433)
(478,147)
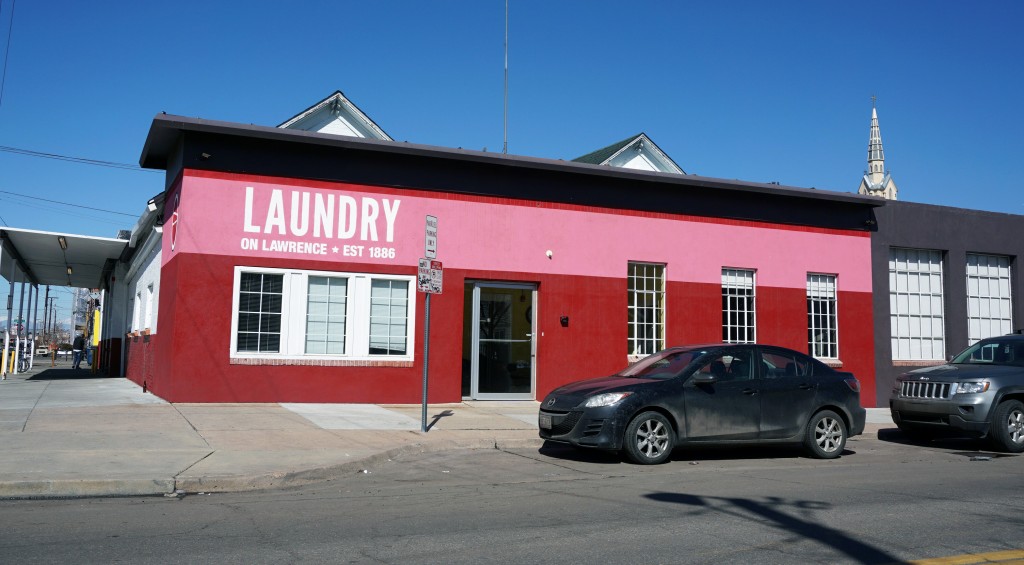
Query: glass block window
(989,308)
(738,311)
(389,317)
(822,316)
(259,312)
(326,309)
(915,304)
(645,288)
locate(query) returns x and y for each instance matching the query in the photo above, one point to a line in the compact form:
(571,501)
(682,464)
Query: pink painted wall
(482,235)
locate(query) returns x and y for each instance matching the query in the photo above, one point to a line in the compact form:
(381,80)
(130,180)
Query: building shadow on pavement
(65,373)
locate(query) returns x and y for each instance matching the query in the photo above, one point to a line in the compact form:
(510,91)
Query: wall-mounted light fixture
(549,253)
(63,242)
(69,270)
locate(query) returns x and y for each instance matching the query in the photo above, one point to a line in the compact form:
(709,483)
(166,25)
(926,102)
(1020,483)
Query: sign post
(429,279)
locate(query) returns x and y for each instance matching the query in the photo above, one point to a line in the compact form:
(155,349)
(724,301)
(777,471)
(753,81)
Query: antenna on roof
(504,147)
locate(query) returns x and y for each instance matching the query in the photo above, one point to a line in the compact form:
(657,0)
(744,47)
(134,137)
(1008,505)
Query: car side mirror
(703,379)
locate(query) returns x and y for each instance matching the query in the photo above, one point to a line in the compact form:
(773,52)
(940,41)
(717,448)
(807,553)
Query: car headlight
(606,399)
(972,388)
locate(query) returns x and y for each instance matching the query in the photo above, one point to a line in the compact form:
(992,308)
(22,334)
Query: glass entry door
(499,346)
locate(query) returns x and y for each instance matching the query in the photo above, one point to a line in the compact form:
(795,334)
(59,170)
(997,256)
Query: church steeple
(876,181)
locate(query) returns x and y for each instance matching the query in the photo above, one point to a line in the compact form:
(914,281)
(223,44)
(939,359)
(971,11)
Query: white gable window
(915,305)
(989,308)
(310,315)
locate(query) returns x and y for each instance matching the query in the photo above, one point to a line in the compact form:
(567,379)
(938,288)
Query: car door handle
(749,391)
(805,386)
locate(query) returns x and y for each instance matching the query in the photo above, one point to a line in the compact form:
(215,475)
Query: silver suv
(980,391)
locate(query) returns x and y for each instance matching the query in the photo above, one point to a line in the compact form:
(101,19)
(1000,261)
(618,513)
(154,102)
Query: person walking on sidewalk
(76,349)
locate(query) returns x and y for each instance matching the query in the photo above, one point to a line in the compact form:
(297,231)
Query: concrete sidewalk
(66,432)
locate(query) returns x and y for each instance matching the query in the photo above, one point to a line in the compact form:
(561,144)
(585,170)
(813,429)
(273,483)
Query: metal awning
(57,259)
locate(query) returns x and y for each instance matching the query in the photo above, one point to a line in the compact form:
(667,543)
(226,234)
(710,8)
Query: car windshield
(664,364)
(998,352)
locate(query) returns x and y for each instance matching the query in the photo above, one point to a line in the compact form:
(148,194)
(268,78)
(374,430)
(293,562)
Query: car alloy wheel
(826,435)
(648,439)
(1008,426)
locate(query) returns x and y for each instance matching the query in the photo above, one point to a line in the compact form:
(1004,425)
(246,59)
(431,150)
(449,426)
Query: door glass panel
(467,340)
(506,340)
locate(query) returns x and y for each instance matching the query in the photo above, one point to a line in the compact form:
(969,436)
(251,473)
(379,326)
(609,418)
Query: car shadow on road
(795,516)
(945,441)
(684,453)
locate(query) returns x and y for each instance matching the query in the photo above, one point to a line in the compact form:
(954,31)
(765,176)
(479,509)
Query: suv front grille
(920,389)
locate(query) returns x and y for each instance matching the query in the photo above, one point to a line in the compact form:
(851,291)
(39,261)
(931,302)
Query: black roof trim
(166,130)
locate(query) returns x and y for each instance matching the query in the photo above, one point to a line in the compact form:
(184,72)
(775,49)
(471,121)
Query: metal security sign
(430,276)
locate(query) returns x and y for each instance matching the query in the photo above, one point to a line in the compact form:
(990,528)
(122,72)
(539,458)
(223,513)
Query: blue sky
(759,91)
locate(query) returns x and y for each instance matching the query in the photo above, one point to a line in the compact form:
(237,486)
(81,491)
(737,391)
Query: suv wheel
(1008,426)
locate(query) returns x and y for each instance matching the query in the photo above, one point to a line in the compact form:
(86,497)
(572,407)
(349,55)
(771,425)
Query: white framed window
(989,305)
(137,312)
(822,316)
(645,287)
(289,314)
(149,307)
(915,304)
(739,319)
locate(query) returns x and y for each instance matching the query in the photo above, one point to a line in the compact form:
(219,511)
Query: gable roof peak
(336,114)
(645,155)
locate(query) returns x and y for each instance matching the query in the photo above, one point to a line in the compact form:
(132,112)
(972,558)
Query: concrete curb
(285,479)
(70,488)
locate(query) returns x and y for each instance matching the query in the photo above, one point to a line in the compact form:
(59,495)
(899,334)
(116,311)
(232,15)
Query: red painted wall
(189,359)
(191,362)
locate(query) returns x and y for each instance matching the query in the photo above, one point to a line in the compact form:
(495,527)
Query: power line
(10,32)
(7,50)
(81,160)
(69,204)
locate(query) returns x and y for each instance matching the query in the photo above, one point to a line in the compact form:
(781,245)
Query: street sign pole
(426,360)
(429,277)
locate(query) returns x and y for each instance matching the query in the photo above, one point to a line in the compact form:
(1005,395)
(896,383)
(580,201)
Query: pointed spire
(876,156)
(876,181)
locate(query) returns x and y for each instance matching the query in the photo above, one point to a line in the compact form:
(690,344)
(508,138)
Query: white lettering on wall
(275,213)
(390,213)
(293,215)
(323,215)
(249,227)
(300,216)
(347,212)
(370,211)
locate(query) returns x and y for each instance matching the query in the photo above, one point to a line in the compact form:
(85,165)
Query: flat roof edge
(166,129)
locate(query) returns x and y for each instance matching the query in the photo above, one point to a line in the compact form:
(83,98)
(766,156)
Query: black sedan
(703,394)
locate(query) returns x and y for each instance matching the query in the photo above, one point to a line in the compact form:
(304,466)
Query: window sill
(313,362)
(921,363)
(834,363)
